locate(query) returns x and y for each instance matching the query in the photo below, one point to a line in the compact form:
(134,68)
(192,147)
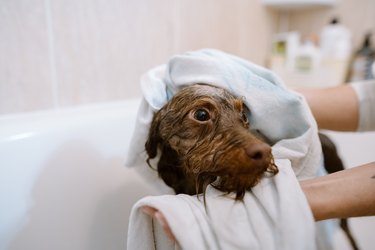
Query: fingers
(149,210)
(156,214)
(163,222)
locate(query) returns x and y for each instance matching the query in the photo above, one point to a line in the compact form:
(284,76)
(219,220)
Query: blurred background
(60,53)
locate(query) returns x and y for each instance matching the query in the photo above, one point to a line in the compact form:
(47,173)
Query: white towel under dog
(274,215)
(276,207)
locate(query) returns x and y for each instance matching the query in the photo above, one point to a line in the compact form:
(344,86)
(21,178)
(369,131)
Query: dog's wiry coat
(203,138)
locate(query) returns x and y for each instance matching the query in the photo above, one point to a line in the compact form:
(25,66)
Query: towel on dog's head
(282,116)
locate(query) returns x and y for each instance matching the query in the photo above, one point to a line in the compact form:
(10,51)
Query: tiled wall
(59,53)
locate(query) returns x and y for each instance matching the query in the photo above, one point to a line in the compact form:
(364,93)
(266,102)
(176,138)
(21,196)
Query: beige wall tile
(25,80)
(94,51)
(239,27)
(57,53)
(103,47)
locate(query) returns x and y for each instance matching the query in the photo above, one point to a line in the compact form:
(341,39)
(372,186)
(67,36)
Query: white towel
(275,214)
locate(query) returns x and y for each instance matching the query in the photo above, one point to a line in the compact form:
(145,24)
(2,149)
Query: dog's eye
(201,115)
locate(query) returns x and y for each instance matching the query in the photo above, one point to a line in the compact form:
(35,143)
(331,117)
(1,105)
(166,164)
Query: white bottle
(307,58)
(335,41)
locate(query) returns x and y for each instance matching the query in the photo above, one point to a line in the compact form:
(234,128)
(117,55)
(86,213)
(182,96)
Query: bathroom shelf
(297,4)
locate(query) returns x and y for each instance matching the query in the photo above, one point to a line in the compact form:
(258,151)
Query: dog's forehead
(196,95)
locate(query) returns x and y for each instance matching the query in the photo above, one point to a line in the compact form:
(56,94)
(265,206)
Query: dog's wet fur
(202,135)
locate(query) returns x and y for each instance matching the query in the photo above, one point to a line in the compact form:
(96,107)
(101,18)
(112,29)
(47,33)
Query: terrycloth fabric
(366,98)
(280,115)
(273,215)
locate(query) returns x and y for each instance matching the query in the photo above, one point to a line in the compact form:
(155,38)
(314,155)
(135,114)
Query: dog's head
(203,138)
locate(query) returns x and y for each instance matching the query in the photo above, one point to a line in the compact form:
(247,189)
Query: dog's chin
(245,180)
(238,184)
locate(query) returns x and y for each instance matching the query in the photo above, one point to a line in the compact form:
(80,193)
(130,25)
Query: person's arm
(348,193)
(335,108)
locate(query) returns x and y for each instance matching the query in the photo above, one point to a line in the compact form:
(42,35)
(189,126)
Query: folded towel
(273,215)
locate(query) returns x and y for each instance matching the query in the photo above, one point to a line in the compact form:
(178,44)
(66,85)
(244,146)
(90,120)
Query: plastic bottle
(335,41)
(307,58)
(362,62)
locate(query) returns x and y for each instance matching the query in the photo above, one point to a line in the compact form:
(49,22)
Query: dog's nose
(258,152)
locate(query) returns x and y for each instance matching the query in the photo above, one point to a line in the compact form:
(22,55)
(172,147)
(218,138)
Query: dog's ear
(169,167)
(332,160)
(154,138)
(173,173)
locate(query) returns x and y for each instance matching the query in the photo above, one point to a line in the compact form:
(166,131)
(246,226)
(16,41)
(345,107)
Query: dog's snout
(258,152)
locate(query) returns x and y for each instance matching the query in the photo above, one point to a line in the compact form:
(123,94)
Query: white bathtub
(63,184)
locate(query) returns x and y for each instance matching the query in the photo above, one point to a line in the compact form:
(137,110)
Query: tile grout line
(175,26)
(52,55)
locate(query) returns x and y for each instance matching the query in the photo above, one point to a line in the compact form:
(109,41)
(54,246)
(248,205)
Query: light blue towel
(281,115)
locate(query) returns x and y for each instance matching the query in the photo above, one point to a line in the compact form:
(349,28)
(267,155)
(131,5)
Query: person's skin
(347,193)
(334,108)
(156,214)
(159,217)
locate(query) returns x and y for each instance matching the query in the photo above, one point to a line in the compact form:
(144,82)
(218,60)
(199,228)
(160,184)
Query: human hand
(156,214)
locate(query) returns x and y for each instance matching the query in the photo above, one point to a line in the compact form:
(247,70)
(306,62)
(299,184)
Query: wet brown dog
(203,137)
